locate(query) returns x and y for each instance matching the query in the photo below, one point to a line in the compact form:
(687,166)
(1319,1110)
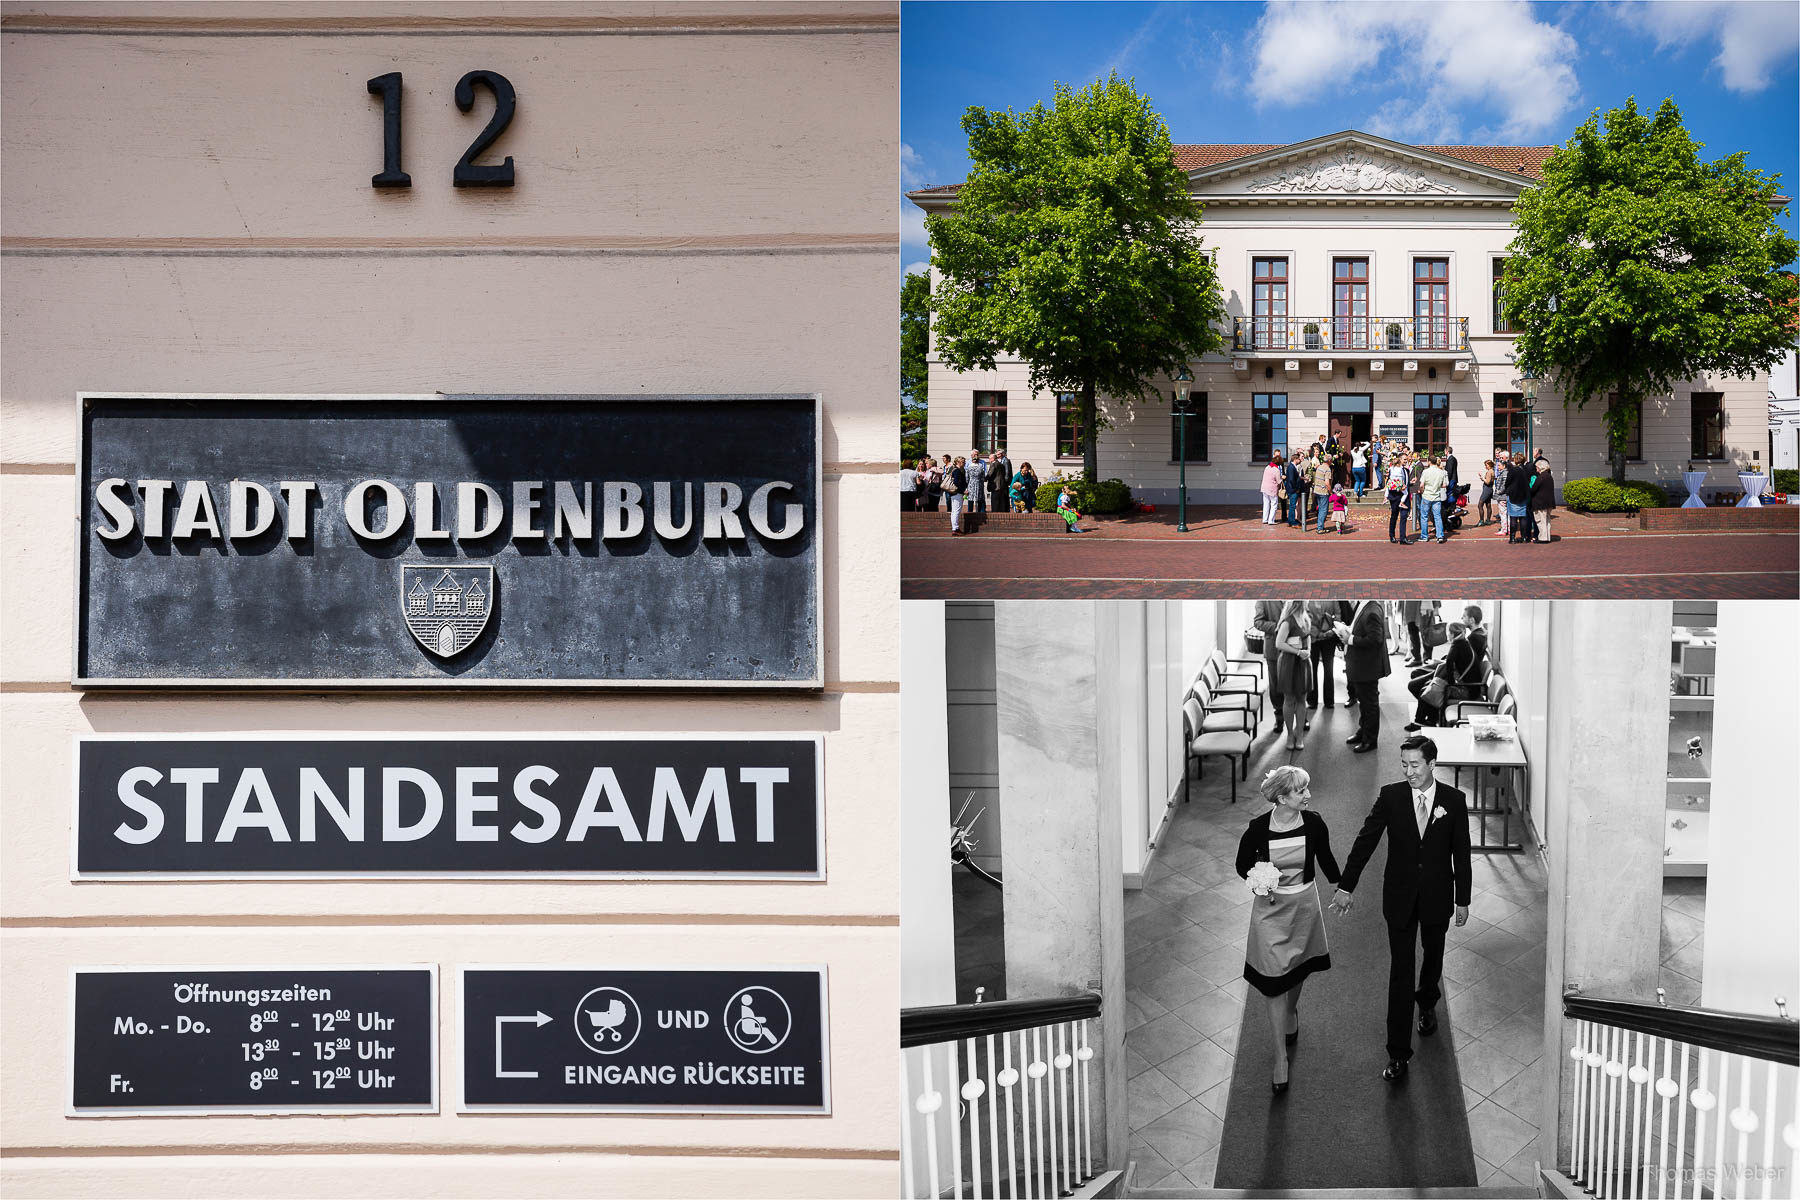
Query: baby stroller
(606,1024)
(1456,509)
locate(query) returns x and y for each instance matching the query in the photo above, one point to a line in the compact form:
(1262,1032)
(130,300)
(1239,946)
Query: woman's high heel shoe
(1278,1088)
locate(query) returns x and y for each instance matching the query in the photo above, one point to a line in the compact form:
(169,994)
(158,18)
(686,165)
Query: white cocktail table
(1753,482)
(1693,479)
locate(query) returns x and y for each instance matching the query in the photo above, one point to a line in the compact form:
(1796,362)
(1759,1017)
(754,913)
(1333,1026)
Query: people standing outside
(909,488)
(1398,502)
(1340,509)
(1271,490)
(1518,503)
(1290,479)
(1415,467)
(1375,459)
(1484,508)
(1543,496)
(1321,489)
(1359,467)
(1450,469)
(1502,468)
(956,492)
(1364,638)
(1065,508)
(1000,473)
(1433,481)
(1024,489)
(975,472)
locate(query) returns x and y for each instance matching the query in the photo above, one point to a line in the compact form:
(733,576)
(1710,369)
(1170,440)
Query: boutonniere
(1436,813)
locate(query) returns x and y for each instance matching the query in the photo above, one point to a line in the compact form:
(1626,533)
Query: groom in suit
(1427,825)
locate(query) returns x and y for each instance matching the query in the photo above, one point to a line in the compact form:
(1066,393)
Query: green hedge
(1786,481)
(1107,496)
(1603,495)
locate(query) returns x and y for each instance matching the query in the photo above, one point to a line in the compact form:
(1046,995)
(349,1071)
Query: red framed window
(1431,303)
(1068,425)
(1350,303)
(1268,303)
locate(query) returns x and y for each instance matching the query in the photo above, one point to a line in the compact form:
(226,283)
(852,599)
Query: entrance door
(1351,419)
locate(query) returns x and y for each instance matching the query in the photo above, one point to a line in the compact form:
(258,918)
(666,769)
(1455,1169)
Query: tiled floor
(1185,935)
(1683,939)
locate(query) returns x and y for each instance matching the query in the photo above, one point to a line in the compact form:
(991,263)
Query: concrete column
(1059,724)
(1603,765)
(927,925)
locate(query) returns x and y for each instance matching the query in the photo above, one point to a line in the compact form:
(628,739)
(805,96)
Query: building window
(1195,426)
(1501,324)
(1634,436)
(1349,304)
(1511,430)
(1268,303)
(1068,425)
(990,421)
(1431,303)
(1268,425)
(1708,425)
(1431,422)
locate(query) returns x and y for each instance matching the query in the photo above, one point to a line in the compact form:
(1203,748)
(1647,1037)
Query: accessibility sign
(601,1039)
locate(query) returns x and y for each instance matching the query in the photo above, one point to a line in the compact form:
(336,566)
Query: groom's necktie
(1419,811)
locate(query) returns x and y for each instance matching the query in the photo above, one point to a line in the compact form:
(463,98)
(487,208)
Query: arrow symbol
(537,1019)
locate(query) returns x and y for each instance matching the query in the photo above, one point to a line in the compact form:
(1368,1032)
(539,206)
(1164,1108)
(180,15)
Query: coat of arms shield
(446,607)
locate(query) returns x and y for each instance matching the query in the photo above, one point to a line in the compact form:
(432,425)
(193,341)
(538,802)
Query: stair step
(1517,1191)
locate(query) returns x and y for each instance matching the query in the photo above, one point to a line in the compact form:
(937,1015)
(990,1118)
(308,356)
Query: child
(1340,507)
(1065,508)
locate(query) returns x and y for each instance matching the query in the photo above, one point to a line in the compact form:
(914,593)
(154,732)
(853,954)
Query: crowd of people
(971,483)
(1301,641)
(1424,490)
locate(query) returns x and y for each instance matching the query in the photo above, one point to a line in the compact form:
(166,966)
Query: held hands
(1341,902)
(1462,915)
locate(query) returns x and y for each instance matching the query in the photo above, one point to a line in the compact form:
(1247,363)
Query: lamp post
(1183,385)
(1527,383)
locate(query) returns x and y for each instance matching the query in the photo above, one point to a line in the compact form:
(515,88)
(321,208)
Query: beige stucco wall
(1310,234)
(704,205)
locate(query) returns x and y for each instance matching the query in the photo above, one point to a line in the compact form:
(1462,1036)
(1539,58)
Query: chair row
(1220,716)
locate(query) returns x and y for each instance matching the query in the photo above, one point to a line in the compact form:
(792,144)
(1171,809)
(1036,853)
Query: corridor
(1201,1118)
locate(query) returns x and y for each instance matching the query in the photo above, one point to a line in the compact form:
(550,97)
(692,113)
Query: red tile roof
(1519,160)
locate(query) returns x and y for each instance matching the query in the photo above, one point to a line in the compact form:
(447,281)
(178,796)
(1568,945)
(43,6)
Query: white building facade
(1360,279)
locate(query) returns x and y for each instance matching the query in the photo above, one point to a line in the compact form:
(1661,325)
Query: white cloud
(1419,122)
(917,268)
(912,168)
(1753,39)
(912,228)
(1445,57)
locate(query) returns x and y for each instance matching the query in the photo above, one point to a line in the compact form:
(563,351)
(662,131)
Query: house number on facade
(467,173)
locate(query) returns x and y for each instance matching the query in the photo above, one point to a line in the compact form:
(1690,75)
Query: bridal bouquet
(1263,878)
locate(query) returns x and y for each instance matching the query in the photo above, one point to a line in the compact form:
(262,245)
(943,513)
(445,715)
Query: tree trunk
(1618,465)
(1090,438)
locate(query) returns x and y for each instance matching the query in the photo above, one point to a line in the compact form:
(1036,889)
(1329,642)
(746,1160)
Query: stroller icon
(607,1020)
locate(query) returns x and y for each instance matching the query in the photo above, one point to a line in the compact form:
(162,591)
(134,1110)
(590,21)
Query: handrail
(1775,1039)
(947,1022)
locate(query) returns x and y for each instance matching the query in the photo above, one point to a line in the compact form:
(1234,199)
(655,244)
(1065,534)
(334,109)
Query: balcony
(1351,337)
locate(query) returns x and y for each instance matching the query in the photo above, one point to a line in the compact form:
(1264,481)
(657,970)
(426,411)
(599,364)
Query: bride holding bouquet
(1276,858)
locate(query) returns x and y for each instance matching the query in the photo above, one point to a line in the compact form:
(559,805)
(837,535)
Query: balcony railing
(1731,1075)
(1015,1077)
(1359,335)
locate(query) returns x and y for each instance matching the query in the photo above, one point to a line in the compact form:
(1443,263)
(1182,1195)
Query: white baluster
(1638,1076)
(1010,1082)
(906,1132)
(993,1116)
(1724,1103)
(1578,1121)
(971,1091)
(1769,1118)
(928,1104)
(954,1095)
(1036,1071)
(1610,1092)
(1743,1119)
(1086,1055)
(1702,1100)
(1596,1061)
(1665,1088)
(1062,1063)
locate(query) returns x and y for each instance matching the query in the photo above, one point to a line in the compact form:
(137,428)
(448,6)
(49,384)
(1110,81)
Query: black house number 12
(468,172)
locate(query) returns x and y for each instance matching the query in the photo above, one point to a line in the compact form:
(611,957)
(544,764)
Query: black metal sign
(265,1040)
(152,807)
(511,541)
(743,1039)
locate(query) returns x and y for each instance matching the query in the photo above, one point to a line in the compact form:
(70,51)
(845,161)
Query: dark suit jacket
(1433,871)
(1253,847)
(1366,657)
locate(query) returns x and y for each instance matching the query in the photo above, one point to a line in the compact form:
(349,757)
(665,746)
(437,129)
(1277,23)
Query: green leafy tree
(915,326)
(1638,265)
(1074,246)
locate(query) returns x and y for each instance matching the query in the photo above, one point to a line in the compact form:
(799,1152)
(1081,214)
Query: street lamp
(1183,388)
(1527,383)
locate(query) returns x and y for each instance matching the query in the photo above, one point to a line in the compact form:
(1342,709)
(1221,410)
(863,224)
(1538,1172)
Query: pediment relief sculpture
(1350,172)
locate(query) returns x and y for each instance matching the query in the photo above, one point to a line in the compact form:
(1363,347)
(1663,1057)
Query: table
(1753,482)
(1458,748)
(1694,481)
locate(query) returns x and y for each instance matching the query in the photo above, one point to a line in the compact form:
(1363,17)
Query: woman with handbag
(1293,670)
(1458,677)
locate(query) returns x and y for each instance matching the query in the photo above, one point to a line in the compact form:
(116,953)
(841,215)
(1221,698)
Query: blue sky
(1502,72)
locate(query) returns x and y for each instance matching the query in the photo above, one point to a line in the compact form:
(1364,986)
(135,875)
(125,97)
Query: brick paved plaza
(1228,552)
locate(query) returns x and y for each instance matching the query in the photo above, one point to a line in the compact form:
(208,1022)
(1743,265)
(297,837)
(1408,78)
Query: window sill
(1192,462)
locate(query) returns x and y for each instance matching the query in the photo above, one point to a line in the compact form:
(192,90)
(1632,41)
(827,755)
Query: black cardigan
(1254,846)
